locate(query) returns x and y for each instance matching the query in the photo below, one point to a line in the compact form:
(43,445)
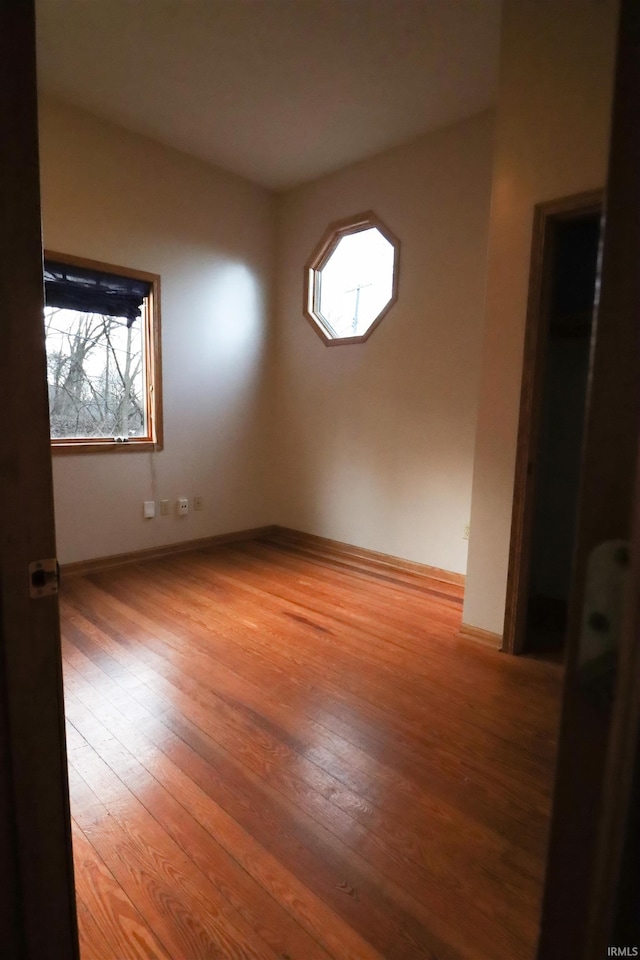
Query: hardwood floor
(276,751)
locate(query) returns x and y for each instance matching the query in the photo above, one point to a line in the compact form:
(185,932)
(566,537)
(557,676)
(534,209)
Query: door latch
(44,578)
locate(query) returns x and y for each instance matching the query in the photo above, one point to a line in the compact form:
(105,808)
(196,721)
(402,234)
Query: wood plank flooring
(276,751)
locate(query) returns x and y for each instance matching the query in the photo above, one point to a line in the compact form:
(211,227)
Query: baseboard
(338,548)
(83,567)
(478,635)
(348,551)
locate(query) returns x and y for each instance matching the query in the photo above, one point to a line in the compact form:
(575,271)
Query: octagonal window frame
(321,255)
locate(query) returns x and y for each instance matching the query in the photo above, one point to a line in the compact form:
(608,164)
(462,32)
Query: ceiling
(278,91)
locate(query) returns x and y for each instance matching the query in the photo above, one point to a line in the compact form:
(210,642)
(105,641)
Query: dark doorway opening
(552,412)
(574,254)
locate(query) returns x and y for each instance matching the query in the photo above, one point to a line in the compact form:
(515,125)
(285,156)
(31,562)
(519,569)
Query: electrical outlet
(164,508)
(465,535)
(198,503)
(182,506)
(148,509)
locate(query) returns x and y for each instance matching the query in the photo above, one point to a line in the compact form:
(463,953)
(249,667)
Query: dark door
(37,905)
(584,898)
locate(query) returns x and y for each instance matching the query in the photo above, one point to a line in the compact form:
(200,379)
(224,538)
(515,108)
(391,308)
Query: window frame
(154,439)
(330,239)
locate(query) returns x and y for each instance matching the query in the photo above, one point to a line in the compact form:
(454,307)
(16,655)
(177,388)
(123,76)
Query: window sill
(65,447)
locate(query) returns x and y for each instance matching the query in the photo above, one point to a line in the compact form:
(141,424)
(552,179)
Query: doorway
(552,410)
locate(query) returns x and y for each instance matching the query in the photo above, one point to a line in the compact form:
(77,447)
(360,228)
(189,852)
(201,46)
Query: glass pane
(356,283)
(95,374)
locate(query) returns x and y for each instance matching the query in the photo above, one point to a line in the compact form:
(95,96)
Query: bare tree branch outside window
(95,374)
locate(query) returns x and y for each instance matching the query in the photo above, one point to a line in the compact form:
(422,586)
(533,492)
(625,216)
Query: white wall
(375,440)
(552,129)
(120,198)
(371,444)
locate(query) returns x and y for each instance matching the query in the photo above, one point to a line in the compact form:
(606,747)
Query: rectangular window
(102,326)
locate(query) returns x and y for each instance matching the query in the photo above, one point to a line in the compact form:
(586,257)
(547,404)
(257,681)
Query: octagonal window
(351,279)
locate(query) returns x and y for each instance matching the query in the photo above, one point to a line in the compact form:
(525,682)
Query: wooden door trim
(615,875)
(35,807)
(546,215)
(598,735)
